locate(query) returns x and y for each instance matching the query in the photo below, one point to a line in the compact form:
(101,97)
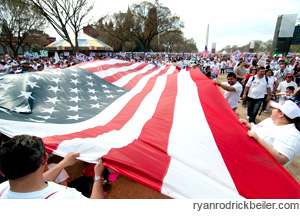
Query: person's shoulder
(63,192)
(237,84)
(225,83)
(3,186)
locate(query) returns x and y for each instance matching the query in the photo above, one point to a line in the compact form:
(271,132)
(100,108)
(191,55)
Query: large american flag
(166,128)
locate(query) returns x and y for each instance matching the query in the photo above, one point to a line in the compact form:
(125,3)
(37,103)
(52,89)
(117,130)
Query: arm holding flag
(69,160)
(225,87)
(97,191)
(278,156)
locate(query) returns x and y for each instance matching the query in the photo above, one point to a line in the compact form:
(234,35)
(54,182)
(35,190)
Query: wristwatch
(98,178)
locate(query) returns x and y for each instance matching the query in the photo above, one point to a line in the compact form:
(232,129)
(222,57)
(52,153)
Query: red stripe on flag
(119,75)
(256,174)
(145,160)
(116,123)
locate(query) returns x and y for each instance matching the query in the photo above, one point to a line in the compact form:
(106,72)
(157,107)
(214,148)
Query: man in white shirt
(257,86)
(181,63)
(280,74)
(23,160)
(288,82)
(289,67)
(233,90)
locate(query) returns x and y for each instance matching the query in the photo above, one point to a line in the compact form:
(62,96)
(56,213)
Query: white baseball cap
(289,108)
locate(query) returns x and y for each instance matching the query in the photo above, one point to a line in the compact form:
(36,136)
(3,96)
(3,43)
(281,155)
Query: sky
(231,22)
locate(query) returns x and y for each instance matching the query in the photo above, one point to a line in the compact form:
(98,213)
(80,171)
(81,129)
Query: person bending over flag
(279,134)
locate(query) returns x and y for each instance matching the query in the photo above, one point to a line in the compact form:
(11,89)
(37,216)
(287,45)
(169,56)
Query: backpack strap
(267,79)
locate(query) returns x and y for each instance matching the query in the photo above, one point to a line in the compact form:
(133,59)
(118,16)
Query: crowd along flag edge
(165,128)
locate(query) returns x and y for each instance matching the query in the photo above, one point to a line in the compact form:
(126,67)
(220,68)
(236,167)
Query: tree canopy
(153,27)
(64,14)
(17,21)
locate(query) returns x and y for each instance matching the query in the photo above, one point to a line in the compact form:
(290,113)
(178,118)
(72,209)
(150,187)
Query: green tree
(151,20)
(17,21)
(115,29)
(170,40)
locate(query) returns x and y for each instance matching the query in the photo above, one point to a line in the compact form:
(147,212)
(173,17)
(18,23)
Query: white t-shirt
(181,64)
(289,69)
(285,139)
(283,85)
(233,97)
(53,191)
(257,87)
(272,80)
(272,65)
(217,66)
(223,65)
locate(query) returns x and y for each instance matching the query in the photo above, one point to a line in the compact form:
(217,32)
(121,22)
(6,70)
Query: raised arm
(97,191)
(69,160)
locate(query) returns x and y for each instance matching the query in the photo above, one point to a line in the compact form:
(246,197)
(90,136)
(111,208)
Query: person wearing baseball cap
(279,134)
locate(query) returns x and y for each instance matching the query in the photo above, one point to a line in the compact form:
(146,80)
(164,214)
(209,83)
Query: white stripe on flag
(197,169)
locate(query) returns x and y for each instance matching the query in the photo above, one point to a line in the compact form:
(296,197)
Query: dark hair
(269,70)
(261,68)
(296,121)
(291,88)
(21,155)
(240,62)
(231,75)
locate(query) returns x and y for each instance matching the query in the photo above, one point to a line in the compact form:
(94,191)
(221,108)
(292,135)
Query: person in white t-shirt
(288,68)
(223,66)
(233,90)
(279,134)
(280,74)
(256,88)
(22,162)
(288,82)
(274,84)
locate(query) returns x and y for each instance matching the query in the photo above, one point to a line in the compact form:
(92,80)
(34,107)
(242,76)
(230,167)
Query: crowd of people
(252,82)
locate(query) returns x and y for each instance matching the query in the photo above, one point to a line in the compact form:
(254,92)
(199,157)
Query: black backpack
(267,79)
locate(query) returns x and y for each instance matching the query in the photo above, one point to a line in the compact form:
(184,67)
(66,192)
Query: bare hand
(99,168)
(70,159)
(253,135)
(217,83)
(246,123)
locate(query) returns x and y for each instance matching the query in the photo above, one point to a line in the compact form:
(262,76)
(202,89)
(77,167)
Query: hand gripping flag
(166,128)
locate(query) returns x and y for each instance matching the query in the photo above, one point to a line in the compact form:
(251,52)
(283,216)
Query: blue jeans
(253,108)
